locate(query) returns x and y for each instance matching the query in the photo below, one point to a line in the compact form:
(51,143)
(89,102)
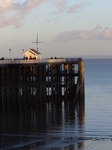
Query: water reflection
(58,126)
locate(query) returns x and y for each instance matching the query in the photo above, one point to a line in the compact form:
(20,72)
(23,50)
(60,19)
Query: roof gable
(33,51)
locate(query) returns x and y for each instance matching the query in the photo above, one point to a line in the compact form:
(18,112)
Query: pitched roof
(32,51)
(35,51)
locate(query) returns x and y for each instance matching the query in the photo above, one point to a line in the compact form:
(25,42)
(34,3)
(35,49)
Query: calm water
(98,108)
(64,126)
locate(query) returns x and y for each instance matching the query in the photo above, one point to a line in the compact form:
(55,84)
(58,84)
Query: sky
(67,28)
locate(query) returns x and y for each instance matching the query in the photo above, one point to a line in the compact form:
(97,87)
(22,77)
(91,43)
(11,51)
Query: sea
(64,126)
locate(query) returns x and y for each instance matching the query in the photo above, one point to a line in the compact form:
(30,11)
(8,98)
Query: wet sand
(34,142)
(87,145)
(98,145)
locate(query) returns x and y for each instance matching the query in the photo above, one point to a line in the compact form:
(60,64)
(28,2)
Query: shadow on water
(52,123)
(54,126)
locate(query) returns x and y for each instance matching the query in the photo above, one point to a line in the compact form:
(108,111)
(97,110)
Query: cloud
(5,6)
(61,5)
(76,7)
(12,13)
(97,33)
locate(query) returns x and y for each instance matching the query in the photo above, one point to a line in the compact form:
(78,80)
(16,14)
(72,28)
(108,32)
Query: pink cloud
(61,5)
(97,33)
(76,7)
(12,13)
(5,3)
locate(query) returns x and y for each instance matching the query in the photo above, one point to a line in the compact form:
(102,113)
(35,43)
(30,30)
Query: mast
(37,42)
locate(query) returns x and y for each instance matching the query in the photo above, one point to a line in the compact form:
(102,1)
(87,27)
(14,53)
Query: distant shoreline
(89,56)
(97,57)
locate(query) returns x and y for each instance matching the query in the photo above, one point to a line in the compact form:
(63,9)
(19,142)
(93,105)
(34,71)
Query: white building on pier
(32,54)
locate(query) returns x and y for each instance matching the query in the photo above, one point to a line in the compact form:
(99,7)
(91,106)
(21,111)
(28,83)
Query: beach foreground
(53,143)
(97,145)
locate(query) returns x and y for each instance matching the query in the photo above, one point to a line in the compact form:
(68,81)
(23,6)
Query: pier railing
(41,61)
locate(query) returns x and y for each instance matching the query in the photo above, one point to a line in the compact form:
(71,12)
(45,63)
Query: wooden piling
(81,80)
(27,84)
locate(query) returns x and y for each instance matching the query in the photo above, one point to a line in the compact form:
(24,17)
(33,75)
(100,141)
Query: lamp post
(22,51)
(9,53)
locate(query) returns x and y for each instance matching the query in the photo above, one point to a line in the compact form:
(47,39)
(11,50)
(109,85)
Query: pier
(25,83)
